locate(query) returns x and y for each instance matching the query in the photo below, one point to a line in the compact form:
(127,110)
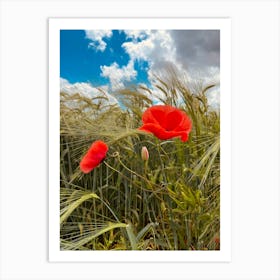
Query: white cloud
(139,50)
(195,54)
(118,75)
(96,36)
(153,46)
(87,90)
(136,34)
(157,46)
(63,83)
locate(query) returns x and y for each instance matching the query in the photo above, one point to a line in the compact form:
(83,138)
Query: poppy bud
(145,153)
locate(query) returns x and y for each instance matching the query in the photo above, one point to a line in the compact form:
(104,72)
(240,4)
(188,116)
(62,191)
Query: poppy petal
(173,119)
(162,134)
(94,156)
(185,124)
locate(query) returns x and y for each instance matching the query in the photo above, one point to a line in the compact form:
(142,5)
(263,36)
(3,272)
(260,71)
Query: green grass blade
(70,208)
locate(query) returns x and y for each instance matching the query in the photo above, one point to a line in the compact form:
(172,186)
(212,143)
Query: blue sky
(81,63)
(114,59)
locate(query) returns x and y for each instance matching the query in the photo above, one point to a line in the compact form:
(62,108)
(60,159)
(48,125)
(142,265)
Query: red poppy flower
(94,156)
(166,122)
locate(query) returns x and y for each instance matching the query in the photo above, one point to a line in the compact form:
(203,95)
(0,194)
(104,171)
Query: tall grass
(171,202)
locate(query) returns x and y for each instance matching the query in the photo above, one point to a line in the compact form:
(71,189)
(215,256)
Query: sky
(114,59)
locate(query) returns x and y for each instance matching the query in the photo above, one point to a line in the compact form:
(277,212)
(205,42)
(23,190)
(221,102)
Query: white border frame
(24,90)
(222,24)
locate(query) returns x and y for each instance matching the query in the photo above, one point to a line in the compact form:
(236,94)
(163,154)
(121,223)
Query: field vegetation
(169,202)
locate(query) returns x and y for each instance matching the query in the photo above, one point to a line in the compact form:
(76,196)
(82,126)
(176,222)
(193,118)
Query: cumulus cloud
(136,34)
(156,46)
(96,36)
(118,75)
(64,83)
(87,90)
(193,51)
(195,54)
(153,46)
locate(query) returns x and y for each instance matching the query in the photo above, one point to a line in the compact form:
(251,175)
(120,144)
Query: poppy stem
(160,160)
(146,168)
(114,169)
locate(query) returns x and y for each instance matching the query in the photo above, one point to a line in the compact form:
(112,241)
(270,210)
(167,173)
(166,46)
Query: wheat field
(169,202)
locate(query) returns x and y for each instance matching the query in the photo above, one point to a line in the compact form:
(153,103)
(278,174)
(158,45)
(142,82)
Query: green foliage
(171,202)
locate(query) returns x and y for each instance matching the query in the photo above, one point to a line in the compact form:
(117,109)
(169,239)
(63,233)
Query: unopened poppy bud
(145,153)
